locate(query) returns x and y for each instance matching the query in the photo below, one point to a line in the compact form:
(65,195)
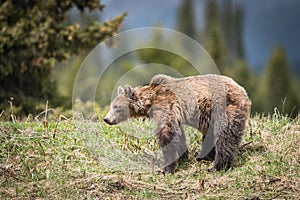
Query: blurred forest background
(43,43)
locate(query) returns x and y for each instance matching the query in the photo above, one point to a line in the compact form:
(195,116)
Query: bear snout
(110,122)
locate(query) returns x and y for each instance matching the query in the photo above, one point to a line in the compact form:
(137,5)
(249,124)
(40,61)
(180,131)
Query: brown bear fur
(215,105)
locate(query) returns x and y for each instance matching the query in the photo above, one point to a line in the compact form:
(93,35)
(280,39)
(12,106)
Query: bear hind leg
(229,141)
(225,153)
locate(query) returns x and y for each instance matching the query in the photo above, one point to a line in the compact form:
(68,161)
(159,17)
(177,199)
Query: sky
(267,23)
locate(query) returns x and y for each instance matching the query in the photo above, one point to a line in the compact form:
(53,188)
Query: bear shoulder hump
(161,79)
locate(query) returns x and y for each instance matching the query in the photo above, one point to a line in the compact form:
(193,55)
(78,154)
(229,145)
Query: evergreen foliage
(186,18)
(277,88)
(34,37)
(166,58)
(232,29)
(213,40)
(37,36)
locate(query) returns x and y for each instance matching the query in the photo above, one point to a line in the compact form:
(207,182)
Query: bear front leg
(182,148)
(168,140)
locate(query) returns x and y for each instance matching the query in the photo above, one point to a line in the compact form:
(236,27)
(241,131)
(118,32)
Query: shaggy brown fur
(215,105)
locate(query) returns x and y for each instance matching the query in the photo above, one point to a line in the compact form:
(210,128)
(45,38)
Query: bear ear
(120,90)
(128,90)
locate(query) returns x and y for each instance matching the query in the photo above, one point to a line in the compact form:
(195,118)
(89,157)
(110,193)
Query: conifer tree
(277,88)
(34,37)
(186,18)
(232,29)
(213,40)
(238,29)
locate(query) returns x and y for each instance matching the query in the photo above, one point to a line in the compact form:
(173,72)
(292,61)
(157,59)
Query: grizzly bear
(213,104)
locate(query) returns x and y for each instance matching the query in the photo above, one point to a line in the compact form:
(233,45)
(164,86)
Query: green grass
(89,160)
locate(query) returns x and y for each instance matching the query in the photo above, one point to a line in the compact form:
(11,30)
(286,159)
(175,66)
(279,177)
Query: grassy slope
(82,159)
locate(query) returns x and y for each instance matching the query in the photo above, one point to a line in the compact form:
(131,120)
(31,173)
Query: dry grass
(87,160)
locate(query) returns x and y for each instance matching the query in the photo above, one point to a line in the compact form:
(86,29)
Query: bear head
(130,102)
(119,107)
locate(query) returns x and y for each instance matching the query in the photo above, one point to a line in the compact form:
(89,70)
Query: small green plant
(12,115)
